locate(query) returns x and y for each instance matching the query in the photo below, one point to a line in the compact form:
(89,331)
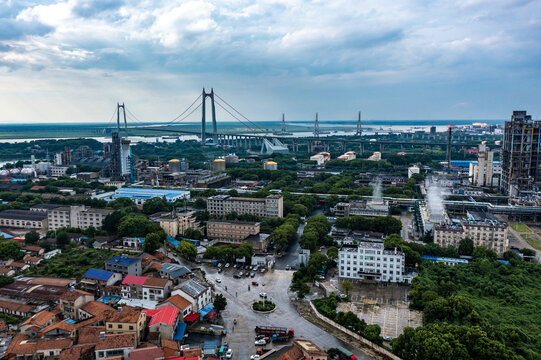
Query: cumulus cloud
(376,42)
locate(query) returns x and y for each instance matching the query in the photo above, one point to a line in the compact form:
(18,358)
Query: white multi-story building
(78,216)
(271,206)
(370,261)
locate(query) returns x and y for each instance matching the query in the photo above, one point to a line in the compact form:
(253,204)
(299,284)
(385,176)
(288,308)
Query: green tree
(220,302)
(10,250)
(154,205)
(153,242)
(188,250)
(465,247)
(194,234)
(5,280)
(347,285)
(136,225)
(62,239)
(31,237)
(200,204)
(332,253)
(111,221)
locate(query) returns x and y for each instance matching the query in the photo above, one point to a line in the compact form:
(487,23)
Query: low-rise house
(183,305)
(174,272)
(7,272)
(79,352)
(132,287)
(198,294)
(126,320)
(135,243)
(156,289)
(93,308)
(163,321)
(72,300)
(111,345)
(124,265)
(146,288)
(17,266)
(32,260)
(95,280)
(170,348)
(37,322)
(34,250)
(52,254)
(22,347)
(309,349)
(147,353)
(14,308)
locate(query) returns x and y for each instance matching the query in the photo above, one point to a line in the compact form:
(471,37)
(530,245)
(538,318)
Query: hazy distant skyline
(71,61)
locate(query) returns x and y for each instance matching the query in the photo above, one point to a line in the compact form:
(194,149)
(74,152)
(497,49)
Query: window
(131,327)
(110,326)
(120,326)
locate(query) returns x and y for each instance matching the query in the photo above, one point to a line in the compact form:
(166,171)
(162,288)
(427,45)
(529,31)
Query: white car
(260,342)
(229,354)
(218,280)
(263,295)
(254,357)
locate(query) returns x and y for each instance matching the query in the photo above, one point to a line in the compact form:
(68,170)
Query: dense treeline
(316,233)
(382,224)
(481,310)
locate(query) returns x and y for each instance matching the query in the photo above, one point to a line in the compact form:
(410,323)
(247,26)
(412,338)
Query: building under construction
(521,157)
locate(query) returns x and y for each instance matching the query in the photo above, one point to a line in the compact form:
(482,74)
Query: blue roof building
(98,274)
(445,260)
(124,265)
(140,195)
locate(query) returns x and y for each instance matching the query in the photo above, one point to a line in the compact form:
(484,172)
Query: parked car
(229,354)
(240,273)
(252,274)
(236,276)
(220,270)
(226,265)
(260,342)
(259,337)
(218,280)
(254,357)
(263,295)
(387,338)
(247,274)
(255,283)
(288,267)
(235,266)
(262,270)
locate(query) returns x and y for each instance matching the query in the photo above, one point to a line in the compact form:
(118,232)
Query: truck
(276,338)
(271,331)
(345,354)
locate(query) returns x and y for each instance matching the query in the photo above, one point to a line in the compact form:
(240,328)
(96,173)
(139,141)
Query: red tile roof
(191,317)
(96,307)
(164,315)
(116,341)
(156,282)
(40,319)
(13,306)
(134,280)
(72,295)
(178,301)
(148,353)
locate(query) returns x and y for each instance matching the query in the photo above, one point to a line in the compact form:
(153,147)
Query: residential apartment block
(231,230)
(78,216)
(176,223)
(483,228)
(195,292)
(271,206)
(370,261)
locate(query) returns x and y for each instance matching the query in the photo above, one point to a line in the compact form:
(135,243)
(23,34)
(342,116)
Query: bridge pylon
(203,118)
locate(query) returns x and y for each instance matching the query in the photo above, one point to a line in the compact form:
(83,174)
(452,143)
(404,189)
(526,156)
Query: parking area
(392,318)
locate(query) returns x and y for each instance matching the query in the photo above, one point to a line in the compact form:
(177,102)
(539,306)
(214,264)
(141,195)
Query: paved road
(239,300)
(291,254)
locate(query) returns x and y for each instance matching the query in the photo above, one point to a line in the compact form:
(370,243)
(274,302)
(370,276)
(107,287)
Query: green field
(522,228)
(533,240)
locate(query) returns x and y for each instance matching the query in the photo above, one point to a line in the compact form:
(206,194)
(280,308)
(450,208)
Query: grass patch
(522,228)
(73,263)
(533,240)
(265,305)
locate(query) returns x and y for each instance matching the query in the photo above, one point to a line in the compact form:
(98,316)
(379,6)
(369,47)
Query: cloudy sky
(71,61)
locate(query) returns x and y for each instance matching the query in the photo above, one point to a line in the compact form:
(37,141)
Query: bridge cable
(238,112)
(185,111)
(239,120)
